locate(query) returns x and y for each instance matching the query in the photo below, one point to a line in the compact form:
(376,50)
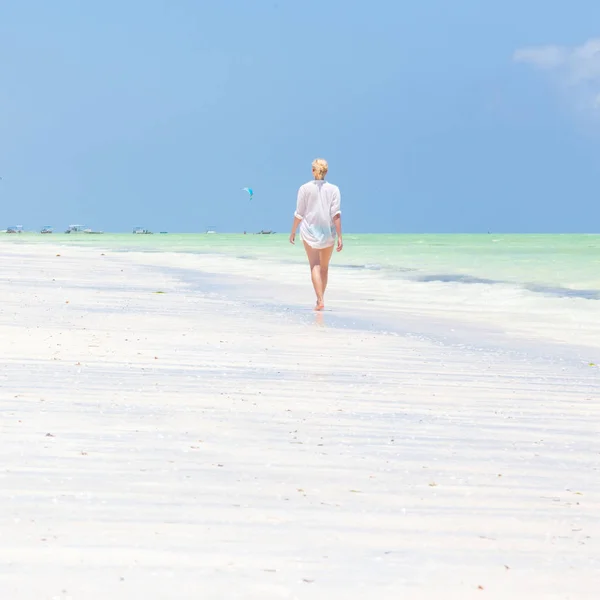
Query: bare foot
(320,305)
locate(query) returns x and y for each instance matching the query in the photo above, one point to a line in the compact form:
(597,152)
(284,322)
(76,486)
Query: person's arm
(298,215)
(336,215)
(295,224)
(337,221)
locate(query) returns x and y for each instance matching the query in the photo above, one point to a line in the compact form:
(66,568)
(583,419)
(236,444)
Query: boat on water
(47,229)
(265,232)
(81,229)
(75,229)
(211,229)
(14,229)
(141,231)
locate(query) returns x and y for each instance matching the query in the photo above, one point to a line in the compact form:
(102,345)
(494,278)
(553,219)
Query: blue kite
(249,190)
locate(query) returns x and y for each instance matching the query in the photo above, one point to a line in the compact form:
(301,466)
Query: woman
(319,216)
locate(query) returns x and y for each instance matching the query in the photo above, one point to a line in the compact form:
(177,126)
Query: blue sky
(435,116)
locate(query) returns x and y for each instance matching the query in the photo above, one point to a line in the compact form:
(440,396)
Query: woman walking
(320,219)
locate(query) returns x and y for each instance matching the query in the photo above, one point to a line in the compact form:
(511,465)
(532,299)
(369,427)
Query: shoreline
(158,444)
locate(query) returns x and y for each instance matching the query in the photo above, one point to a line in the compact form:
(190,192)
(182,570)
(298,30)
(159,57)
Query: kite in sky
(250,192)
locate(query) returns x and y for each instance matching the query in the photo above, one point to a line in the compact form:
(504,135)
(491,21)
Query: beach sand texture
(197,443)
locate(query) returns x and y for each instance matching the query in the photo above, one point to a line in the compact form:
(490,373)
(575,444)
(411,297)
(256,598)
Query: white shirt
(318,202)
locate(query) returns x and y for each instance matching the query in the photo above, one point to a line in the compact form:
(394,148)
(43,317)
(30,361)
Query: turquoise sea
(566,264)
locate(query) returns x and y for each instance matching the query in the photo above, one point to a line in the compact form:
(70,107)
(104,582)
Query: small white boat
(141,231)
(81,229)
(75,229)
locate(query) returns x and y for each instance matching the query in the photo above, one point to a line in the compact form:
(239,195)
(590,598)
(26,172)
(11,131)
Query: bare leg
(324,258)
(315,273)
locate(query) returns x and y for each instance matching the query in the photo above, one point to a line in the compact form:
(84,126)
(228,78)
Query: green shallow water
(570,260)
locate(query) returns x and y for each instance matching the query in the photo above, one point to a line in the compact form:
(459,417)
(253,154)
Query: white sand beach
(217,441)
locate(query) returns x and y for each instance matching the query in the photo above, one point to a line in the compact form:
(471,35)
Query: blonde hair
(320,167)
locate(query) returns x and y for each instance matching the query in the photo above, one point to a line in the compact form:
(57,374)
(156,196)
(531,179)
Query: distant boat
(75,229)
(81,229)
(265,232)
(211,229)
(15,229)
(47,229)
(141,231)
